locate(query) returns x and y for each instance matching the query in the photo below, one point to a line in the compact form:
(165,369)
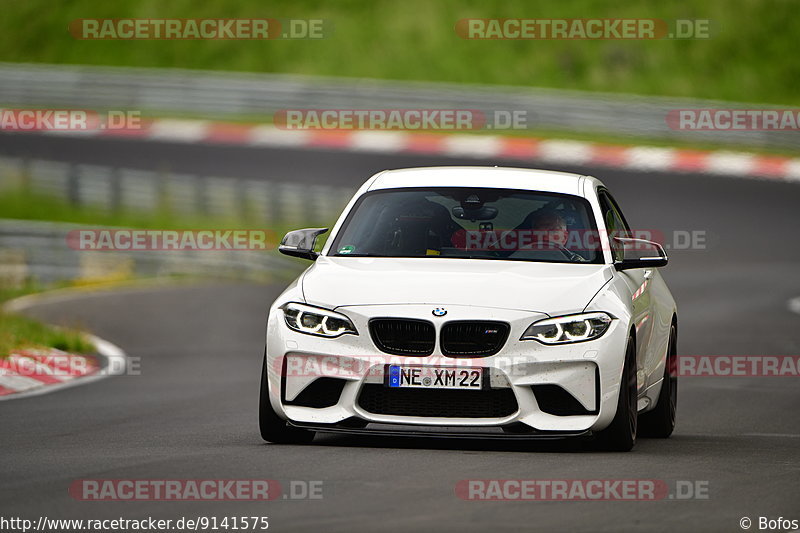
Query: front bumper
(322,383)
(512,432)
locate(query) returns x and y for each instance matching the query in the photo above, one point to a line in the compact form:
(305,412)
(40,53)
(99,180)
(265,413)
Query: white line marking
(794,305)
(472,145)
(793,170)
(18,383)
(778,435)
(730,163)
(50,297)
(378,141)
(179,130)
(650,158)
(575,152)
(272,136)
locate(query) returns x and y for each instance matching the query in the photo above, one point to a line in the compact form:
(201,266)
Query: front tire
(660,422)
(274,428)
(620,435)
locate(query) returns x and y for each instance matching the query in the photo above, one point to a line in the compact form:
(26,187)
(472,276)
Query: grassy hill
(751,55)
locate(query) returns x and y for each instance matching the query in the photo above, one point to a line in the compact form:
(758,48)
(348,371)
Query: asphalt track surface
(191,414)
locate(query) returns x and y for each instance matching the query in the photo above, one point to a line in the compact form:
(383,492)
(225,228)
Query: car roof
(493,177)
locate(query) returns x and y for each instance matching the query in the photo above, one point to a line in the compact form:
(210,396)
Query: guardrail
(39,251)
(115,188)
(216,94)
(33,250)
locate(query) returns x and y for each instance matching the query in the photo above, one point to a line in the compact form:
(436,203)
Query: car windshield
(476,223)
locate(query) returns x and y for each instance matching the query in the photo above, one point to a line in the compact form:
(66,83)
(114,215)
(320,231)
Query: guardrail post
(115,202)
(201,194)
(275,205)
(25,175)
(74,185)
(160,185)
(245,209)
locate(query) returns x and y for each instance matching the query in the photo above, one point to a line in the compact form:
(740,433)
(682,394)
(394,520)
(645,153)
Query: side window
(615,223)
(618,215)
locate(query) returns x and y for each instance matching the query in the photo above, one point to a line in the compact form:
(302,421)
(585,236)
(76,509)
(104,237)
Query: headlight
(316,321)
(565,329)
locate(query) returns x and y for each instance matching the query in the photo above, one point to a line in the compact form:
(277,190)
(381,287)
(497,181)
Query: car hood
(551,288)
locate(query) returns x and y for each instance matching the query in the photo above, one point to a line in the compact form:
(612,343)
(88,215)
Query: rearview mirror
(301,242)
(640,253)
(475,213)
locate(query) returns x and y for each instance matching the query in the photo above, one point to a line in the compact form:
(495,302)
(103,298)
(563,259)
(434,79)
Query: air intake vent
(322,392)
(554,400)
(468,338)
(443,403)
(403,336)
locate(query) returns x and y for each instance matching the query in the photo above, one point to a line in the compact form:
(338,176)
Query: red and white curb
(26,370)
(32,372)
(640,158)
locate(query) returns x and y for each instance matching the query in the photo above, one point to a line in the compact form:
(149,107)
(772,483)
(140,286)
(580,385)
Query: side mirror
(300,243)
(639,253)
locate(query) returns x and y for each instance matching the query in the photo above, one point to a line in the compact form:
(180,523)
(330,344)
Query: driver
(550,230)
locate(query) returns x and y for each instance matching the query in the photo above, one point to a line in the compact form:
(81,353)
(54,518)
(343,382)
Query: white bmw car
(474,302)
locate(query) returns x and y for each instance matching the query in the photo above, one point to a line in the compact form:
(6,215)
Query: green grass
(751,55)
(9,293)
(21,204)
(19,332)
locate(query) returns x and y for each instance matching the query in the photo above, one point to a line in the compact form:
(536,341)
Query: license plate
(431,377)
